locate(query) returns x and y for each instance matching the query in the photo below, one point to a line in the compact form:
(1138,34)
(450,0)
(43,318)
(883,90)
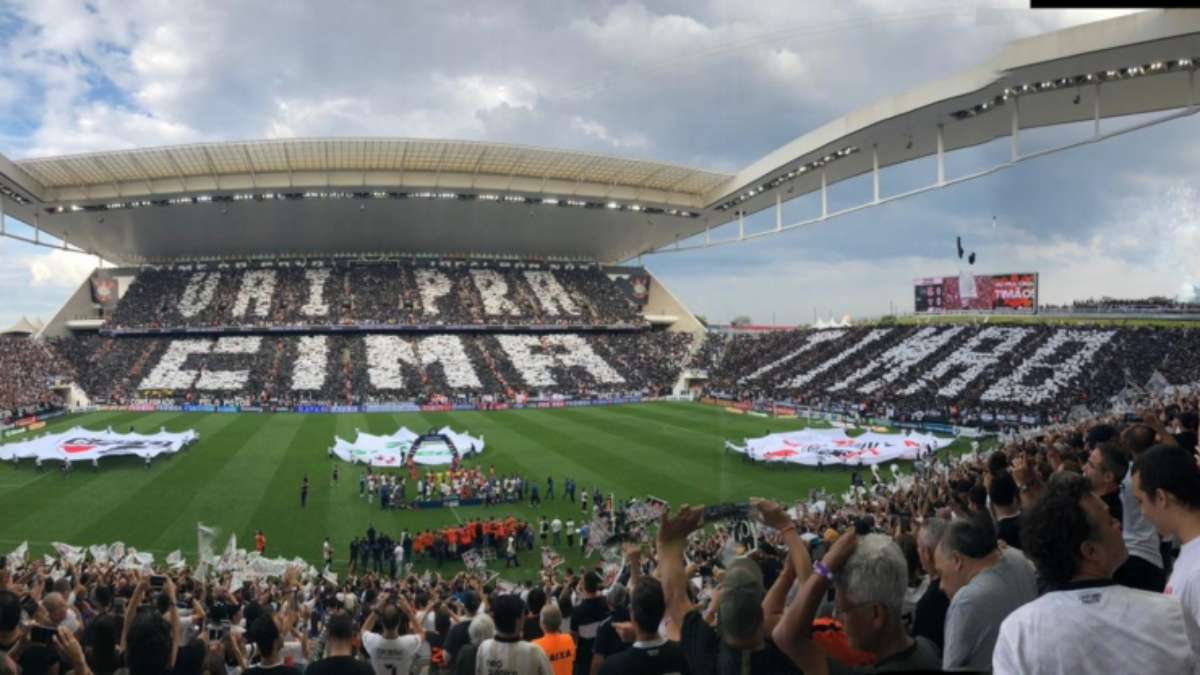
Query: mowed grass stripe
(236,481)
(608,464)
(154,504)
(711,420)
(56,501)
(691,462)
(279,510)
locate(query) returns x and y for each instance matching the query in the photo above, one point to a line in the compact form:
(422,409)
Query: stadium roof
(359,162)
(415,195)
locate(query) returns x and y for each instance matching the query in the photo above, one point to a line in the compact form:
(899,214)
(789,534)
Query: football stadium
(422,405)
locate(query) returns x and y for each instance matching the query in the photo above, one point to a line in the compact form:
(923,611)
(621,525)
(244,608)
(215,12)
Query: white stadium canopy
(356,195)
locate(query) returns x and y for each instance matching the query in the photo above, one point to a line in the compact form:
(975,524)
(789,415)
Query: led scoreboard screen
(984,293)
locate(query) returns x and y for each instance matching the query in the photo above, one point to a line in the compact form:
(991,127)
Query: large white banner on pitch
(82,445)
(432,449)
(834,446)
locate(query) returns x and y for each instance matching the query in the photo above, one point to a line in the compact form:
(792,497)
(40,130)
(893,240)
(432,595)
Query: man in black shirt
(651,654)
(929,617)
(608,641)
(459,637)
(340,650)
(1105,469)
(586,620)
(535,600)
(1003,494)
(264,633)
(304,492)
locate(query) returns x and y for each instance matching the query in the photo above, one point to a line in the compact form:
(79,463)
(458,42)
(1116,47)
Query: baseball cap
(740,612)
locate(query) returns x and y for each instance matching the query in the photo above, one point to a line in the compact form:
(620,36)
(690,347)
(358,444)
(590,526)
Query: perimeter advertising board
(1012,293)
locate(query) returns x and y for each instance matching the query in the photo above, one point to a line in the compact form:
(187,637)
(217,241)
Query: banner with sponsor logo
(432,449)
(312,409)
(811,447)
(189,407)
(79,444)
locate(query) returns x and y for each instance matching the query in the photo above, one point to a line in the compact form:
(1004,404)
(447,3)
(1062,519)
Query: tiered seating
(28,369)
(954,372)
(378,367)
(454,294)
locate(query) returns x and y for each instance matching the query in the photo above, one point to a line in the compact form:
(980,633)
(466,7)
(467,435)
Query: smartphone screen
(41,634)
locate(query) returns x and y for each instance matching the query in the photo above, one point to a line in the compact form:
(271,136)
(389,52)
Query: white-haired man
(870,576)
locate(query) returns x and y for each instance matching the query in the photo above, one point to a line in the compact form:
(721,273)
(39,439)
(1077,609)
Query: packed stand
(979,375)
(376,368)
(29,369)
(1151,305)
(295,295)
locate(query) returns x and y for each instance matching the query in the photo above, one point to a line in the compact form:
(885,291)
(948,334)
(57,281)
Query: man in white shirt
(507,652)
(1144,567)
(397,649)
(398,554)
(556,527)
(1087,623)
(1167,486)
(985,584)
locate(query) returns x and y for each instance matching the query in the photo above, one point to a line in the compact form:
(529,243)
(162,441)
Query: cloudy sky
(713,84)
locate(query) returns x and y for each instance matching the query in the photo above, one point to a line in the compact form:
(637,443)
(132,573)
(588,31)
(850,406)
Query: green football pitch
(244,474)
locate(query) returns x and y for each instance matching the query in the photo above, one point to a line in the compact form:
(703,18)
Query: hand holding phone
(42,635)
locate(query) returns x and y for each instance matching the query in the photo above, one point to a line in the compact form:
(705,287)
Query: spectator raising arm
(793,633)
(672,538)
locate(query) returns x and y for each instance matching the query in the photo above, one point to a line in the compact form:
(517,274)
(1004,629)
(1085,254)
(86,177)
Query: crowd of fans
(451,293)
(1071,549)
(1151,305)
(376,368)
(979,374)
(28,370)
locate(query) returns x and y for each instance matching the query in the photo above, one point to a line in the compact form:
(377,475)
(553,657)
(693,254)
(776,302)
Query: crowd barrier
(407,406)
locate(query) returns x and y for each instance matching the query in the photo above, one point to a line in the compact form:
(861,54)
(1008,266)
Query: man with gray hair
(559,646)
(479,629)
(929,617)
(60,613)
(870,575)
(985,584)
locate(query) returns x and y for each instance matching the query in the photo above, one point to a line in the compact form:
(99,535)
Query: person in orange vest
(558,646)
(260,543)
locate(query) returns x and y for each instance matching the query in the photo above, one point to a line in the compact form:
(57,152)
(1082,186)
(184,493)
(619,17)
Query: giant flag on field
(833,446)
(435,448)
(80,445)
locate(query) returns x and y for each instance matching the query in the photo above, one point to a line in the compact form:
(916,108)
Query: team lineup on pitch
(244,474)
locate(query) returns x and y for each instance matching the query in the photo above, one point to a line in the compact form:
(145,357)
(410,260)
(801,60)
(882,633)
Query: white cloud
(58,269)
(715,84)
